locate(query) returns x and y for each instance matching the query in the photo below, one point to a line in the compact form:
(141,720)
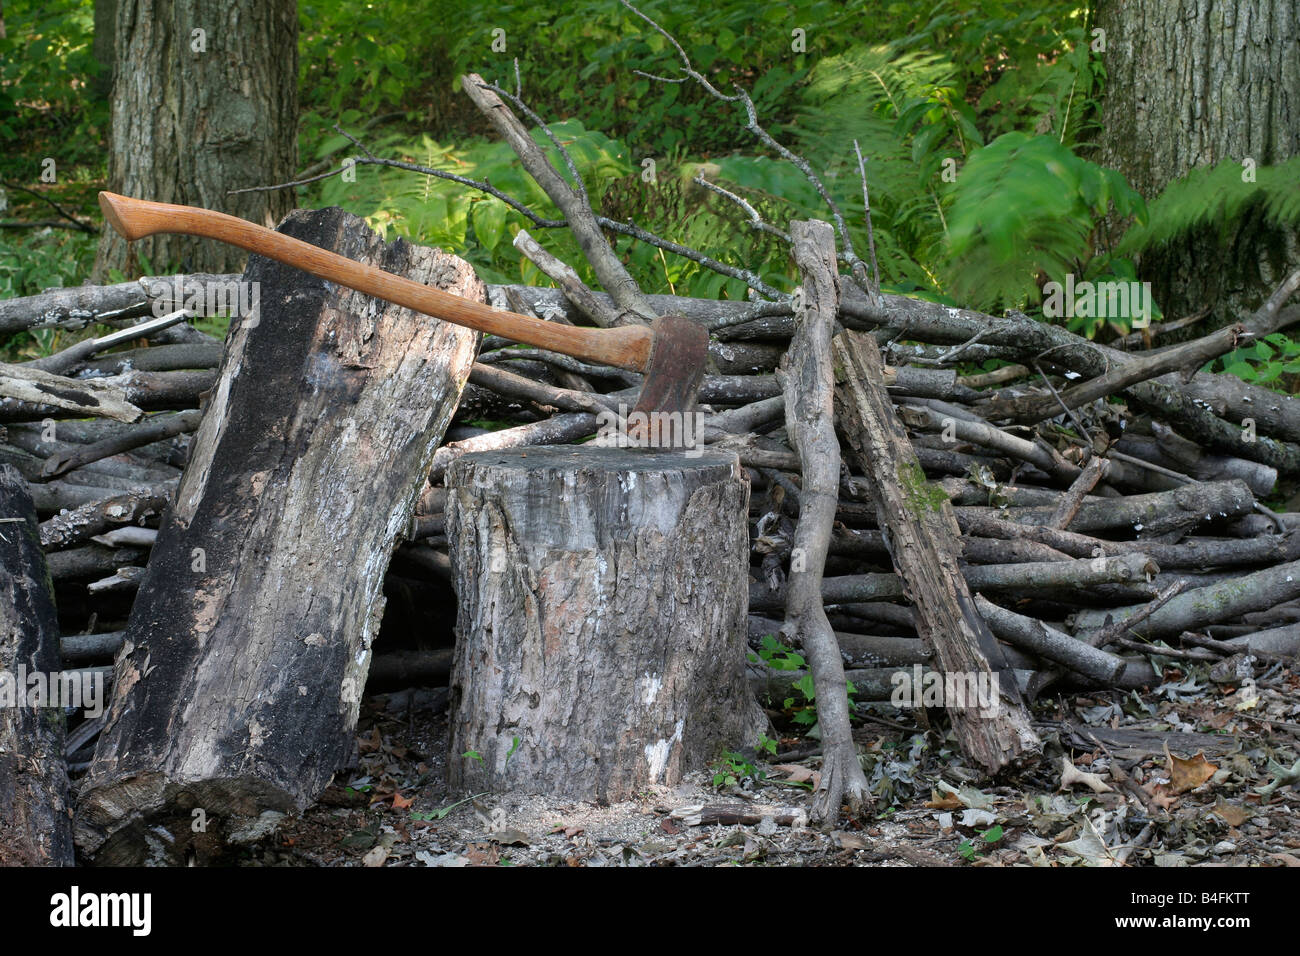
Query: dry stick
(1007,373)
(755,221)
(595,248)
(566,378)
(155,429)
(1021,579)
(1072,500)
(1036,637)
(1198,607)
(85,397)
(874,287)
(810,421)
(517,386)
(575,290)
(990,436)
(923,535)
(1114,630)
(1193,553)
(1035,408)
(83,523)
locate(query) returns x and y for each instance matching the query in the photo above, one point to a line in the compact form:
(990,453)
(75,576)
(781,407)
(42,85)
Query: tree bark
(238,686)
(196,114)
(601,626)
(1191,83)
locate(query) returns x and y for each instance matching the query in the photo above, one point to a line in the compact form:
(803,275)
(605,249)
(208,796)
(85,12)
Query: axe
(671,352)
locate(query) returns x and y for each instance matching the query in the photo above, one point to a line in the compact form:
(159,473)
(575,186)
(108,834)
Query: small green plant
(766,744)
(514,746)
(433,815)
(777,656)
(972,849)
(731,768)
(781,658)
(473,755)
(1273,361)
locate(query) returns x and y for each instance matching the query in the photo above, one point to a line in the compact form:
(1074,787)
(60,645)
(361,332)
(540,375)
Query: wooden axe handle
(626,347)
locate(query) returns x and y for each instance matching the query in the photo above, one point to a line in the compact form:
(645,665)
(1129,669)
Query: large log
(237,689)
(35,829)
(602,625)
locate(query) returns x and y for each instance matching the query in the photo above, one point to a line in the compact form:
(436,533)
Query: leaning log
(238,686)
(923,537)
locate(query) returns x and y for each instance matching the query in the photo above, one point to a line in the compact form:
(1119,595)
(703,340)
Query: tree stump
(35,829)
(601,634)
(238,686)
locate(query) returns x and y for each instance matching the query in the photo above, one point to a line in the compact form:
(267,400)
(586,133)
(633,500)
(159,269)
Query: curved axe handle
(628,347)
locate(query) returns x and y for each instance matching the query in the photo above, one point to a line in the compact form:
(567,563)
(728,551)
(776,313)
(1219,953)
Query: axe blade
(678,355)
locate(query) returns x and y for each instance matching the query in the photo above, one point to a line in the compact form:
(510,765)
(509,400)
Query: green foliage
(1273,361)
(435,815)
(439,212)
(1024,207)
(33,260)
(779,657)
(971,850)
(1218,197)
(46,106)
(731,768)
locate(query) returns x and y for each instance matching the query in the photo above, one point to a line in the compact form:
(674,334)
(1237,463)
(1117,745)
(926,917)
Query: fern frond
(1217,196)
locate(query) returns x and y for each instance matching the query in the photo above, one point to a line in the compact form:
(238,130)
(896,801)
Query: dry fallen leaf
(851,841)
(1231,814)
(375,856)
(1070,775)
(948,801)
(795,773)
(1188,774)
(369,743)
(401,803)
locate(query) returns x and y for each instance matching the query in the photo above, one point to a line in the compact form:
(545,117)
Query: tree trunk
(205,101)
(102,47)
(602,625)
(1191,83)
(237,690)
(35,829)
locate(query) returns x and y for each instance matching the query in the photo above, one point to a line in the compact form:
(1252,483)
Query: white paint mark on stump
(650,685)
(656,754)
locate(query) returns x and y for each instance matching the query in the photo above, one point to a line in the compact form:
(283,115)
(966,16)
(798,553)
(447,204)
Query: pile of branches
(1109,499)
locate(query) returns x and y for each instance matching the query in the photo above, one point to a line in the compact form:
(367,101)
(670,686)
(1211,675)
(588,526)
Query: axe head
(678,355)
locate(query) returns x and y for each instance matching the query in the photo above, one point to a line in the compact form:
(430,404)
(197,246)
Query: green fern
(1024,207)
(1218,196)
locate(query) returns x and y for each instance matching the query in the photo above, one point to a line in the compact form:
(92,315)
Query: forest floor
(1193,773)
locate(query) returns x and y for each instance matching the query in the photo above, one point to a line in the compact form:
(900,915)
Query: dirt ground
(1194,772)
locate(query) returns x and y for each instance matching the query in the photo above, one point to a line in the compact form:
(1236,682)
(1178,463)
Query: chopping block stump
(601,631)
